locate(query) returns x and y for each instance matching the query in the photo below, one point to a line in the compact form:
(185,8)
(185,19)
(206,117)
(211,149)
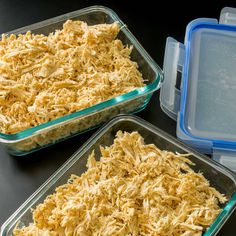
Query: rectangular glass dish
(43,135)
(220,178)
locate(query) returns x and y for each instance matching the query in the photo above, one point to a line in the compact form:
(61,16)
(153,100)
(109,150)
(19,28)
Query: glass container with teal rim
(46,134)
(219,177)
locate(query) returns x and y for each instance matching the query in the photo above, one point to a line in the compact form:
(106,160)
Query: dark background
(151,24)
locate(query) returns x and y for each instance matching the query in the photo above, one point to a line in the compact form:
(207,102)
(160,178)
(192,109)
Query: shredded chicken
(135,189)
(46,77)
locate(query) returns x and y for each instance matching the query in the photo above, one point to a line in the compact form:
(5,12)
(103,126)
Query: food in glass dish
(133,188)
(46,77)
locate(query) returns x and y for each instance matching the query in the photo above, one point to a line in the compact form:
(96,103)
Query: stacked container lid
(205,104)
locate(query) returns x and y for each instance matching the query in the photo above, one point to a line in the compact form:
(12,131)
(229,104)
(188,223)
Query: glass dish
(43,135)
(220,177)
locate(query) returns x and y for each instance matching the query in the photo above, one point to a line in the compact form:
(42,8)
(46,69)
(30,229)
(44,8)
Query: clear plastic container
(220,178)
(51,132)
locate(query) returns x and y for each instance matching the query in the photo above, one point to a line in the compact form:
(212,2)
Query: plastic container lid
(204,107)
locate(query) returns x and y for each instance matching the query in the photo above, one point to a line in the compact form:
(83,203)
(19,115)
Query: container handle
(173,62)
(228,16)
(225,157)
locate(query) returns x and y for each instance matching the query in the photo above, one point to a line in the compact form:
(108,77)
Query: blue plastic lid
(205,106)
(209,89)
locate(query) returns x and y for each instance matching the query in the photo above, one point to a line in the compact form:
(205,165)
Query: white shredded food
(135,189)
(46,77)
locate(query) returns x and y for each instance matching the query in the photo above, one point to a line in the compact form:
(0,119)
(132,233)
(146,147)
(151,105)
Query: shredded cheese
(46,77)
(135,189)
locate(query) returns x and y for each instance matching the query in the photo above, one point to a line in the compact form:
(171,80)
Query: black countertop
(20,177)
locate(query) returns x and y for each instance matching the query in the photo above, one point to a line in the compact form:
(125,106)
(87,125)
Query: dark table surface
(20,177)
